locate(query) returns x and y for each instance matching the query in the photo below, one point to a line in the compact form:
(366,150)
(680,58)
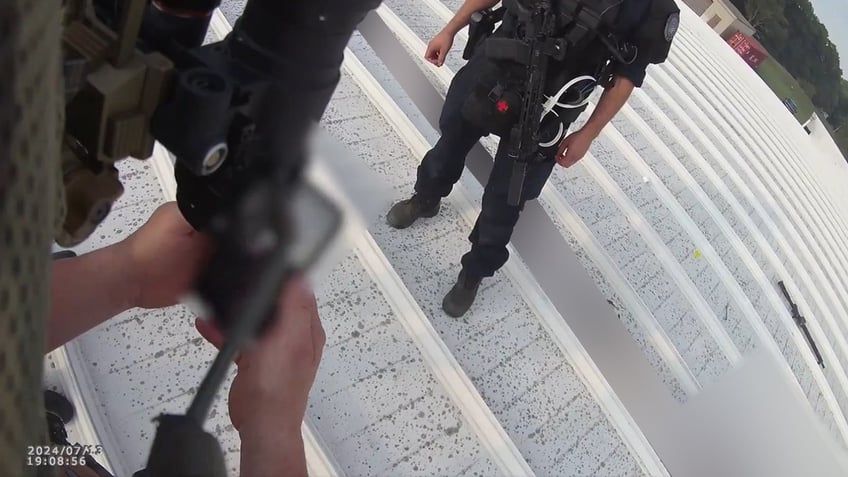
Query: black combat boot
(60,411)
(406,212)
(461,296)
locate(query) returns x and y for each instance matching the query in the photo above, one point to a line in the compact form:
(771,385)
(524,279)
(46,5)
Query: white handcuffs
(553,101)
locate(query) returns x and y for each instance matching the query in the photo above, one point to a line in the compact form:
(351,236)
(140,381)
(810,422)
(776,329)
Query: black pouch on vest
(492,107)
(493,110)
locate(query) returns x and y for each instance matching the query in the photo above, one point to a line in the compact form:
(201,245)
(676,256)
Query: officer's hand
(163,258)
(573,148)
(438,48)
(269,393)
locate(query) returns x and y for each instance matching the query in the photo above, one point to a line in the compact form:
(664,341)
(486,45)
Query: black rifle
(237,115)
(802,324)
(539,24)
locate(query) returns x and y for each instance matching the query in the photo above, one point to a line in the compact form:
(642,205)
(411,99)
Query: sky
(834,15)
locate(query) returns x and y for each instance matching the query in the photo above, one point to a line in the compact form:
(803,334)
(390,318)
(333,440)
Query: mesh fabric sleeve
(31,103)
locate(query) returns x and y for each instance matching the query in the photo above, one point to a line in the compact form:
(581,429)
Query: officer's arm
(653,41)
(463,16)
(272,451)
(86,291)
(611,102)
(576,145)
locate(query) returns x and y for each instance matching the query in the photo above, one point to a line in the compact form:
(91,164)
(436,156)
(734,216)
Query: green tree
(841,138)
(805,50)
(839,116)
(807,87)
(765,14)
(807,53)
(740,4)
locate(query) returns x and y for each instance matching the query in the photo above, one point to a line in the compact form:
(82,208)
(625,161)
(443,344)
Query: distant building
(748,48)
(722,16)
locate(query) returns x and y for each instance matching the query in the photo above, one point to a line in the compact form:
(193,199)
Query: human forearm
(611,102)
(463,15)
(152,268)
(266,450)
(86,291)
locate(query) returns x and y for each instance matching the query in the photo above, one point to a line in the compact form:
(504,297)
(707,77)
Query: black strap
(480,29)
(498,15)
(581,20)
(586,24)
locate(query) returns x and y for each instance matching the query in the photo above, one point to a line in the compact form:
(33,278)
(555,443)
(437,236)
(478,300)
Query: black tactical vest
(599,34)
(589,27)
(577,20)
(502,75)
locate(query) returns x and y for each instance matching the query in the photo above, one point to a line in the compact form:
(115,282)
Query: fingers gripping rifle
(283,61)
(237,115)
(540,22)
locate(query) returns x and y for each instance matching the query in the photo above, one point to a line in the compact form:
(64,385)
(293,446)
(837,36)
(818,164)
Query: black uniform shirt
(649,25)
(651,29)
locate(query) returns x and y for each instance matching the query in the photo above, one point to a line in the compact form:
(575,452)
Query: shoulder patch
(671,26)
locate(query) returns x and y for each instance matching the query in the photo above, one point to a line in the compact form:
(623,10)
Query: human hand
(269,394)
(439,47)
(574,147)
(163,258)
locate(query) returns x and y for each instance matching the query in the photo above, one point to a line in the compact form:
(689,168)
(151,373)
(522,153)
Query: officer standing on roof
(595,42)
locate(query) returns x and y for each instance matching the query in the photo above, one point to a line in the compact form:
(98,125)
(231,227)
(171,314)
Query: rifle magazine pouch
(508,49)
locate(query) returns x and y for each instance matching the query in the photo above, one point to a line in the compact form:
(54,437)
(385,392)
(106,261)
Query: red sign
(747,49)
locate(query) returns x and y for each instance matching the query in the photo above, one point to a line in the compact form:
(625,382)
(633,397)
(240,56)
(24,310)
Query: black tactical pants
(443,164)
